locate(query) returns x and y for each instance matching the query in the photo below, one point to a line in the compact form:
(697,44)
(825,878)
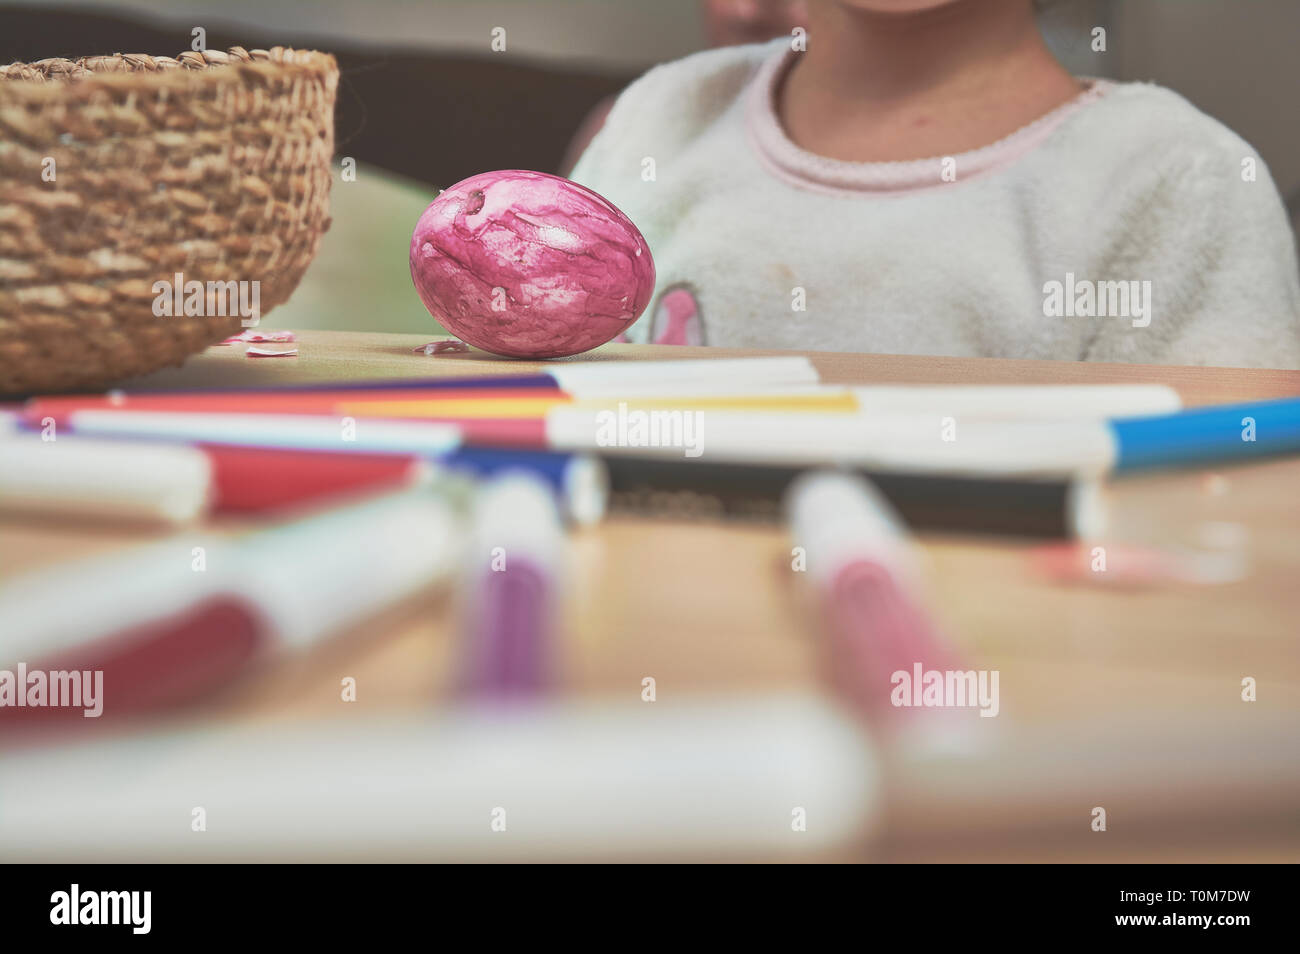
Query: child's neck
(873,87)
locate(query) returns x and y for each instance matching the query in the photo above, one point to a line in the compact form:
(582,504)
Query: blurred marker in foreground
(720,776)
(746,776)
(514,563)
(861,564)
(169,621)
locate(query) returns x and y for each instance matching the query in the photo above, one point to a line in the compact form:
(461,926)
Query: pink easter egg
(530,265)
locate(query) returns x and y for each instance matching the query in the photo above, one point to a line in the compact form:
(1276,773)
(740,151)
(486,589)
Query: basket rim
(61,75)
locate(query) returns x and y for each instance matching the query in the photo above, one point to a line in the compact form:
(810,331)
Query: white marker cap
(517,510)
(838,517)
(83,478)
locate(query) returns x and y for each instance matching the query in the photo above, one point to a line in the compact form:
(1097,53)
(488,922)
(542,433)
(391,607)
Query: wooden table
(711,606)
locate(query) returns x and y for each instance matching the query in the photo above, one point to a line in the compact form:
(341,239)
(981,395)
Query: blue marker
(1206,434)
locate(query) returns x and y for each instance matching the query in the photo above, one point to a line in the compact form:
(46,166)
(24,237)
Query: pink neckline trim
(799,167)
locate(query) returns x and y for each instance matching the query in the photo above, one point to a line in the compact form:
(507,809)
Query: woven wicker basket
(212,165)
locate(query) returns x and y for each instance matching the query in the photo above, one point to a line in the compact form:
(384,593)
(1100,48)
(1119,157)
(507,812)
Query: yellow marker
(812,402)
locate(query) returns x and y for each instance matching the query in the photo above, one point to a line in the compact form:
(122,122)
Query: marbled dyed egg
(530,265)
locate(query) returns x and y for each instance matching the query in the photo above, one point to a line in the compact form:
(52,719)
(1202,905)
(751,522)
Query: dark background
(434,117)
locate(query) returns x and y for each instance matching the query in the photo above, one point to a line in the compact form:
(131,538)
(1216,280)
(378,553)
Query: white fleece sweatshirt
(1124,226)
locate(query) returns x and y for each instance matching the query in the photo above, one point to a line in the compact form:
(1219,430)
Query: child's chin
(896,6)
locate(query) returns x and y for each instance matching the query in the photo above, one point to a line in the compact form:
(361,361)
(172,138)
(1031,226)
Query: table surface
(712,606)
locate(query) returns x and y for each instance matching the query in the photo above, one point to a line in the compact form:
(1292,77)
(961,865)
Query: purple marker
(516,552)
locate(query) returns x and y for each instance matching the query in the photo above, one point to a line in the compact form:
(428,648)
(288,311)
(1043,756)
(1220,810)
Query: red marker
(174,483)
(259,480)
(170,621)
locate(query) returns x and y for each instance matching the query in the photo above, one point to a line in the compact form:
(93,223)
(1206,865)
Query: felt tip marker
(515,557)
(1199,435)
(174,484)
(581,378)
(926,443)
(1049,402)
(281,431)
(169,621)
(606,778)
(879,635)
(177,471)
(1090,402)
(588,777)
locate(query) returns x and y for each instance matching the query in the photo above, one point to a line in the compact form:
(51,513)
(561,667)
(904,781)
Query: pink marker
(882,645)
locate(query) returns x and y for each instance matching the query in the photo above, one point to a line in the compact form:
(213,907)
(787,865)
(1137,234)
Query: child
(923,177)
